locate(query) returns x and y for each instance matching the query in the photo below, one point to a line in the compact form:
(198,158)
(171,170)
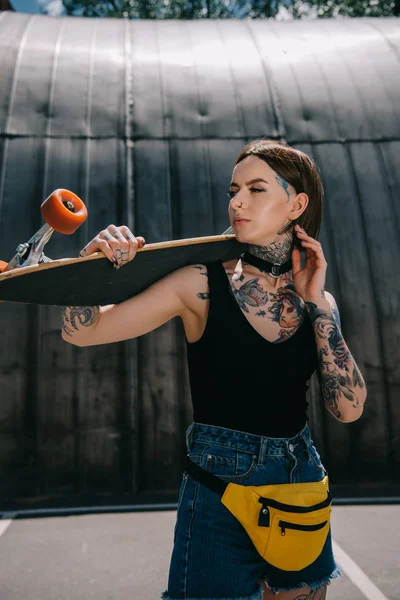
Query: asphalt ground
(125,556)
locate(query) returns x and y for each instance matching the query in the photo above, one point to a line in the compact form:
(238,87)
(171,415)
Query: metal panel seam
(276,103)
(385,37)
(131,223)
(10,109)
(47,137)
(374,293)
(236,96)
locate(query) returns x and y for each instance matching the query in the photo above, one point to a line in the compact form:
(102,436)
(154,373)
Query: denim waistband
(246,442)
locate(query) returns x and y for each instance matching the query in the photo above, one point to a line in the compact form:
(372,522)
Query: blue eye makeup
(231,193)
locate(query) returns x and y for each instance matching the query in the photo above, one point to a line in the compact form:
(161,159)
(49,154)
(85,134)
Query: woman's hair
(298,169)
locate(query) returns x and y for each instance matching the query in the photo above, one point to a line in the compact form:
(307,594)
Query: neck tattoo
(278,252)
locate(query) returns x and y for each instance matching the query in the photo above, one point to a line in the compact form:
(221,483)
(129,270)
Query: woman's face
(261,202)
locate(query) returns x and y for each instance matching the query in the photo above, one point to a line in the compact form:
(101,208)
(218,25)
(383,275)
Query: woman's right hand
(118,244)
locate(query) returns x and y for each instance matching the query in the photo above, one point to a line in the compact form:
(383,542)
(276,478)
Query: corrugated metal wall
(143,120)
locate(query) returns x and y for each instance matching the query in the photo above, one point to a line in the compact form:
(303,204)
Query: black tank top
(241,381)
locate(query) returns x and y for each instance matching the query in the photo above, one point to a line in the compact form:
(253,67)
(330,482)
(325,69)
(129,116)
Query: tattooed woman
(257,327)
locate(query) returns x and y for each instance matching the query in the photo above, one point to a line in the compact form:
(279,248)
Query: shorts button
(291,447)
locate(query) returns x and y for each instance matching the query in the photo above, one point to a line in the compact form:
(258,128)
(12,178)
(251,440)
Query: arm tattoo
(336,316)
(338,374)
(76,317)
(319,594)
(203,295)
(200,268)
(203,271)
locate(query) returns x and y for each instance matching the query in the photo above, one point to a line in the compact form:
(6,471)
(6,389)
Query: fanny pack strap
(214,483)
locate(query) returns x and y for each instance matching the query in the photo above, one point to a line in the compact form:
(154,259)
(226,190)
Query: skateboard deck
(92,280)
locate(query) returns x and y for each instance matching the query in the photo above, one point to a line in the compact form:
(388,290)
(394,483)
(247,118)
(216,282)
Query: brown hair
(298,169)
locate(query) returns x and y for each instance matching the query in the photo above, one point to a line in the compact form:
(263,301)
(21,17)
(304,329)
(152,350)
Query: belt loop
(189,437)
(263,451)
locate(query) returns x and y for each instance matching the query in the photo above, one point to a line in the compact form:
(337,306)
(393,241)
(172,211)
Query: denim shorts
(213,557)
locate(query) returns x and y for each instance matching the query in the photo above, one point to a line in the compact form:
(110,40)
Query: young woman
(256,327)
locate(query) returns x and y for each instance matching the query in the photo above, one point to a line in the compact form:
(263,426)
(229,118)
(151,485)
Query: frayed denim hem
(313,585)
(258,595)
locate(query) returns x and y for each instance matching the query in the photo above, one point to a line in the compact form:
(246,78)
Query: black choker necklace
(273,269)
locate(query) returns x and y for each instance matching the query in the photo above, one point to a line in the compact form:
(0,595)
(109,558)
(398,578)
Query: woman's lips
(241,221)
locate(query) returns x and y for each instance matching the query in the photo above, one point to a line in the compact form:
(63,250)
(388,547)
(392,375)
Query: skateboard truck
(31,252)
(64,212)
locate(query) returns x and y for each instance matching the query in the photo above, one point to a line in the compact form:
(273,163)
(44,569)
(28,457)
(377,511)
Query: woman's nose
(236,202)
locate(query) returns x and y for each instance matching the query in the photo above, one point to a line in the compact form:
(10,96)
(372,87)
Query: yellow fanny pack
(287,523)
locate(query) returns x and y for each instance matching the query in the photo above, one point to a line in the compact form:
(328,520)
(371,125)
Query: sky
(52,7)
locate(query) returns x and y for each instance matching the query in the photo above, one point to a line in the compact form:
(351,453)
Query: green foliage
(226,9)
(353,8)
(150,9)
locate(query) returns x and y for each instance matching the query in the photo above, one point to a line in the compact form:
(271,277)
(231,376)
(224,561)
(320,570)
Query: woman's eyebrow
(249,182)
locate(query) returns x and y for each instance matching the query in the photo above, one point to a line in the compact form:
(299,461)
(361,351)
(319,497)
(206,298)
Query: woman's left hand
(309,282)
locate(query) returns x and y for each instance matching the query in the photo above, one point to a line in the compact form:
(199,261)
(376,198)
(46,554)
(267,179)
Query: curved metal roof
(306,81)
(143,119)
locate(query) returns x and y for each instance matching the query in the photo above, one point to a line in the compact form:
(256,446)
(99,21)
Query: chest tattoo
(250,293)
(283,306)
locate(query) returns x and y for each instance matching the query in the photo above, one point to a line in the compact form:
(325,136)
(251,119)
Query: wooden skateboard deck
(93,280)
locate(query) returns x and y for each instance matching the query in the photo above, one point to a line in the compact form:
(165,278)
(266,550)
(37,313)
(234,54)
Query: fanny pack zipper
(286,525)
(296,509)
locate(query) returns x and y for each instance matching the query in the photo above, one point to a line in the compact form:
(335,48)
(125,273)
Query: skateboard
(32,277)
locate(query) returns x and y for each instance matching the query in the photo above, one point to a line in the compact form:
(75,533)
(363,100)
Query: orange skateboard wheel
(64,211)
(2,267)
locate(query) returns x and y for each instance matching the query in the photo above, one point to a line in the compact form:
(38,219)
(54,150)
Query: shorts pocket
(234,465)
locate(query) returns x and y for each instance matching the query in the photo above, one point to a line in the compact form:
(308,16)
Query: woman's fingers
(118,244)
(309,243)
(133,243)
(314,252)
(98,243)
(123,248)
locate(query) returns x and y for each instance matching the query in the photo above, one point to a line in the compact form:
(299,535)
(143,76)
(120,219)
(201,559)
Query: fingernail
(143,242)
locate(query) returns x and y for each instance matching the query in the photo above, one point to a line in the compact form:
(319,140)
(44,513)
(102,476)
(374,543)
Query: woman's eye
(232,193)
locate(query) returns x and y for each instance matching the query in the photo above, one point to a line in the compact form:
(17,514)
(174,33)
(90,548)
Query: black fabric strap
(275,270)
(208,479)
(216,484)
